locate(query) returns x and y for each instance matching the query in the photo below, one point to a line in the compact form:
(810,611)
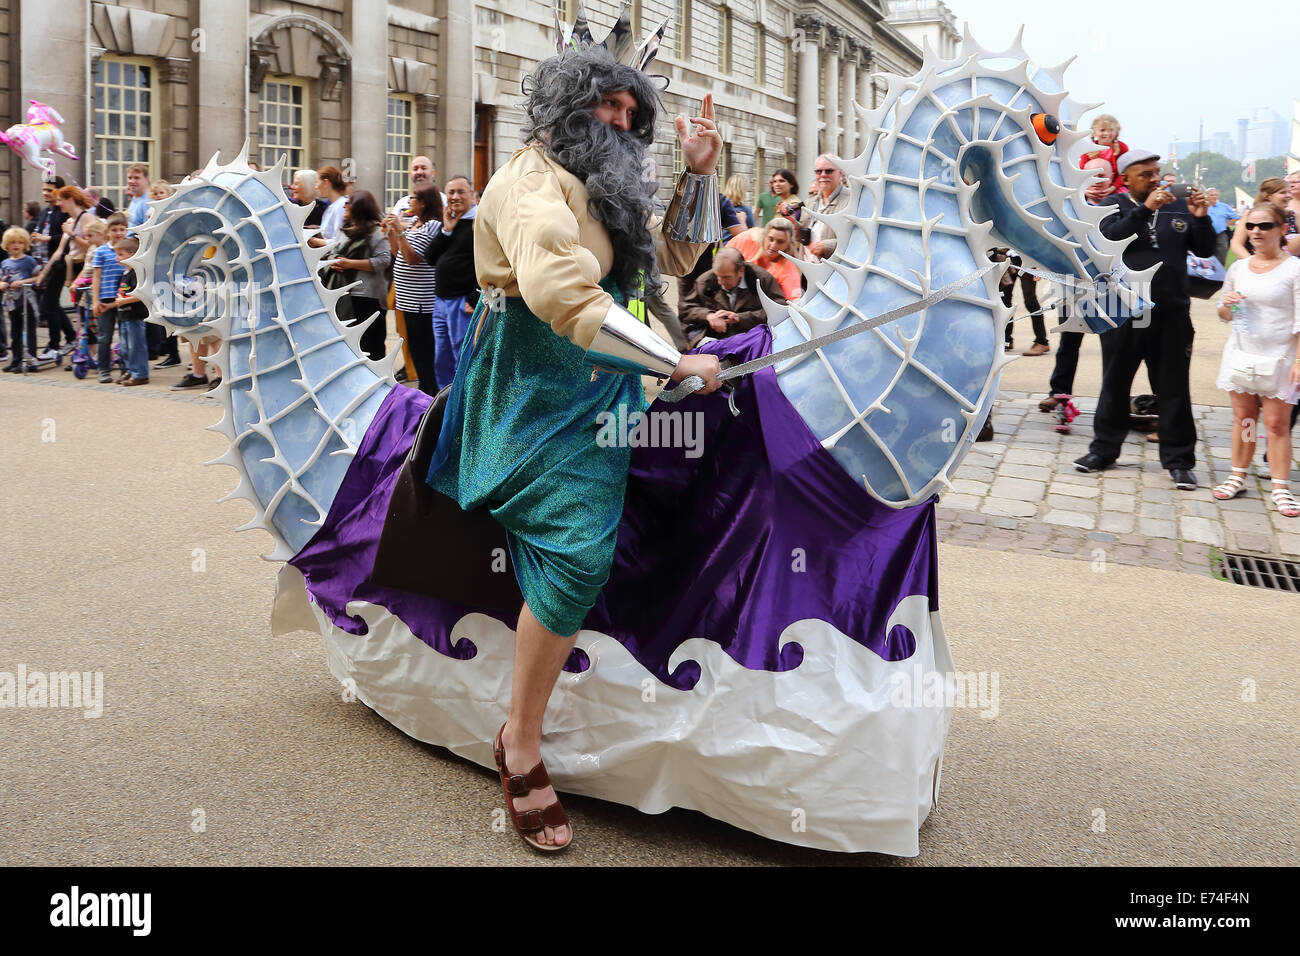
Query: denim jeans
(450,320)
(106,322)
(134,347)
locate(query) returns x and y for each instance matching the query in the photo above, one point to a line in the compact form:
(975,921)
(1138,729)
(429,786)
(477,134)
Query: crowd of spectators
(417,260)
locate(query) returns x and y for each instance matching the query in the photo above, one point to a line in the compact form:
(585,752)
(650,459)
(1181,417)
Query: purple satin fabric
(336,562)
(764,529)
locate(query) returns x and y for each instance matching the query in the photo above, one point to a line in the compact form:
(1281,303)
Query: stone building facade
(366,84)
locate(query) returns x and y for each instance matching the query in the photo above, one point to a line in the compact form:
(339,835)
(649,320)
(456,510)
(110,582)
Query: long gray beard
(621,192)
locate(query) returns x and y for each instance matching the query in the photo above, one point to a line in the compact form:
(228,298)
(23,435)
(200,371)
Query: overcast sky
(1159,67)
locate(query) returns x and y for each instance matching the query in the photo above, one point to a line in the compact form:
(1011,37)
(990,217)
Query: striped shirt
(415,283)
(110,271)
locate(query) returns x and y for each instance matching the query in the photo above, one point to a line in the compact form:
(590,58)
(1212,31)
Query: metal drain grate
(1256,571)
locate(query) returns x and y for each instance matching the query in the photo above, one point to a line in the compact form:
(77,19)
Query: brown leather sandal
(530,822)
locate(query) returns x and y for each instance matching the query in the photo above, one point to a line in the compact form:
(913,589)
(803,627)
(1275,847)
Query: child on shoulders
(1108,146)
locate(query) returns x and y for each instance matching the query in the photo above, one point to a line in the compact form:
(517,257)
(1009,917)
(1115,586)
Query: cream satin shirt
(535,239)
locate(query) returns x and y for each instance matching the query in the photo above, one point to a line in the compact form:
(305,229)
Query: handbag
(431,547)
(1251,371)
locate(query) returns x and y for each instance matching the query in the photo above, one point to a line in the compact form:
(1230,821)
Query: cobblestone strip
(1021,492)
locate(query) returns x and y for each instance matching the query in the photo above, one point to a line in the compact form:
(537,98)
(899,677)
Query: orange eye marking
(1047,126)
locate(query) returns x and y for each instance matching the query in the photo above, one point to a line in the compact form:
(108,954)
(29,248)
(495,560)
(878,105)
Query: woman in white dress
(1260,370)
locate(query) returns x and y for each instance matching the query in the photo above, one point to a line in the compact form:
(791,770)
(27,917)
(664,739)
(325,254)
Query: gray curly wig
(563,93)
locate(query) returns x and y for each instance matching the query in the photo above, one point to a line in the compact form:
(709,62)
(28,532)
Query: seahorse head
(225,255)
(995,122)
(967,154)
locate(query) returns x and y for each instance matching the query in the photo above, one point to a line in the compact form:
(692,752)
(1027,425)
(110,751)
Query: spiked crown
(619,41)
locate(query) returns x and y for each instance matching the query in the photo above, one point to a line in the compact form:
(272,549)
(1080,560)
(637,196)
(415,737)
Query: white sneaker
(49,354)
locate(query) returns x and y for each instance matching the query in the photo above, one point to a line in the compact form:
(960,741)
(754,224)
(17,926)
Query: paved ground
(1147,715)
(1021,491)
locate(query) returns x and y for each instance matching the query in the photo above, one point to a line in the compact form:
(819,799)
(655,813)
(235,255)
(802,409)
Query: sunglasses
(1262,226)
(823,172)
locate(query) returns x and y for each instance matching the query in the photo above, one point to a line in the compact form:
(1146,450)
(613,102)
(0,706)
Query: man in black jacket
(455,285)
(724,301)
(46,234)
(1165,229)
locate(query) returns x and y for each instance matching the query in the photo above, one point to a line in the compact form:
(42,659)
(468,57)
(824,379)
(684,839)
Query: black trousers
(160,343)
(1029,291)
(1166,346)
(372,339)
(1067,357)
(1067,363)
(56,320)
(419,338)
(22,327)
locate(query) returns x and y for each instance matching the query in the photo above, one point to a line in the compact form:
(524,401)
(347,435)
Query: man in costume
(565,235)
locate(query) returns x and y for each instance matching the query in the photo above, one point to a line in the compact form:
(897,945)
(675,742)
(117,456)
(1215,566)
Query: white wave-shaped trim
(818,756)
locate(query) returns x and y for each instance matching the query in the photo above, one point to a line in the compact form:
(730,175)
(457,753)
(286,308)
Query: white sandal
(1284,500)
(1233,486)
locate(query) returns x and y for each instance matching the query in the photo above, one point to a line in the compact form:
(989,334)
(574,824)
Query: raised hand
(701,145)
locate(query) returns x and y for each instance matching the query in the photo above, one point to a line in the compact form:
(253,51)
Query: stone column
(366,26)
(848,79)
(455,146)
(219,119)
(864,98)
(831,91)
(807,95)
(51,67)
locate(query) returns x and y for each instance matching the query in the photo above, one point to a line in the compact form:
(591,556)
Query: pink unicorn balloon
(41,132)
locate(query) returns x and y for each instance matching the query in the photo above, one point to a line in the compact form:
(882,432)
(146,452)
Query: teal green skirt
(519,438)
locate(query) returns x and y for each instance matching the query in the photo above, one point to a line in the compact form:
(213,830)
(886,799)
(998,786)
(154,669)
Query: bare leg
(1245,409)
(539,658)
(197,366)
(1277,423)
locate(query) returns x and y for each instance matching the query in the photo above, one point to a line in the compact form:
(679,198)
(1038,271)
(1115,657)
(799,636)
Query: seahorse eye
(1047,126)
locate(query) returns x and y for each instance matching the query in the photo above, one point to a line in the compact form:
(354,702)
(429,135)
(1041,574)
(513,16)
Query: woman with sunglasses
(1277,191)
(1264,291)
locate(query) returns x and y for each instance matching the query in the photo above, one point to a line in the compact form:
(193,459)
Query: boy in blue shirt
(103,291)
(18,288)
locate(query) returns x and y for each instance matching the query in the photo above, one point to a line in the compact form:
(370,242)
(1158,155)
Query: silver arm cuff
(625,344)
(694,215)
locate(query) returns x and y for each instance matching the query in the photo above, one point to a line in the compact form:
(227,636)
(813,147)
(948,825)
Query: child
(131,313)
(160,189)
(18,286)
(93,230)
(1105,133)
(107,272)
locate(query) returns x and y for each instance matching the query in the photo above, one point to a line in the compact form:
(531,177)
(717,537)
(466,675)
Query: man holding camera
(1167,221)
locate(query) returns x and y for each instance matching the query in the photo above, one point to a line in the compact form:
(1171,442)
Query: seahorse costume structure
(766,645)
